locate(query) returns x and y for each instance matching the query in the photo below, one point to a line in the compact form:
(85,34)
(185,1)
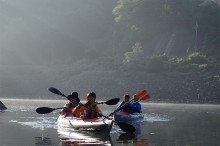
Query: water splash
(156,118)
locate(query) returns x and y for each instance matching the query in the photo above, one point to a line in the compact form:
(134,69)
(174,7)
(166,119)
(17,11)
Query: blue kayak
(126,117)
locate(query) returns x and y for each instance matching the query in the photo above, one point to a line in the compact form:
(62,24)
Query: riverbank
(163,87)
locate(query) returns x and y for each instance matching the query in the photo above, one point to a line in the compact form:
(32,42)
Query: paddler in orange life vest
(68,107)
(92,109)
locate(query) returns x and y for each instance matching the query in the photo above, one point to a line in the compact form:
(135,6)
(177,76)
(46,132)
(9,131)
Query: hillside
(163,87)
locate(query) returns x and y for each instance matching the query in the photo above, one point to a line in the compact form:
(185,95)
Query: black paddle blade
(113,101)
(55,91)
(44,110)
(128,128)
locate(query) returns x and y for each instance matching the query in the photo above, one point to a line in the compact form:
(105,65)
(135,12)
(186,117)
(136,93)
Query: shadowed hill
(163,87)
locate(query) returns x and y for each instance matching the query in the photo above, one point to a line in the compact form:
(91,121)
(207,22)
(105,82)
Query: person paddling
(68,107)
(92,109)
(125,105)
(136,106)
(128,107)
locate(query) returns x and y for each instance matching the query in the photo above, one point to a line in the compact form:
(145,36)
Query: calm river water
(163,125)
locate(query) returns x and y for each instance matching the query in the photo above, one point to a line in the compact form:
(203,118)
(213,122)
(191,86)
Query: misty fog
(107,46)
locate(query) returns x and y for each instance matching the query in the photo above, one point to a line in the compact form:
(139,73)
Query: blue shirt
(136,107)
(124,107)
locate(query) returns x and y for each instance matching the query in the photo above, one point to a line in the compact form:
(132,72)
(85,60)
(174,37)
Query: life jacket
(136,107)
(92,109)
(79,111)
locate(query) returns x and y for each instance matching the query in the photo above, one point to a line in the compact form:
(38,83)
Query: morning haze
(112,47)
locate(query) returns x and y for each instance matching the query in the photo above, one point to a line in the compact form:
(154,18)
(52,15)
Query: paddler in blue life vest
(136,106)
(68,107)
(125,105)
(92,109)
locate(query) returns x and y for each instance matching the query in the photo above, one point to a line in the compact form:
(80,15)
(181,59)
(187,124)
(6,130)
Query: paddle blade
(113,101)
(44,110)
(55,91)
(145,97)
(128,128)
(141,94)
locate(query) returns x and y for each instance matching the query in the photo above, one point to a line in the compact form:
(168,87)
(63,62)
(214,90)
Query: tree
(135,56)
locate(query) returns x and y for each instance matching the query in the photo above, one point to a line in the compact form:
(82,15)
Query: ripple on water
(39,122)
(156,118)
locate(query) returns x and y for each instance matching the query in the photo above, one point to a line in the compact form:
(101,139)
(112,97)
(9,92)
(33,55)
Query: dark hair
(91,94)
(127,96)
(75,94)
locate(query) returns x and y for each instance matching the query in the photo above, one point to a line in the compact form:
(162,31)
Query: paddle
(109,102)
(145,97)
(46,110)
(124,126)
(142,95)
(113,101)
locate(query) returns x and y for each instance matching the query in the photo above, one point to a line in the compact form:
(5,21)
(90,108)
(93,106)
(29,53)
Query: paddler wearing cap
(68,107)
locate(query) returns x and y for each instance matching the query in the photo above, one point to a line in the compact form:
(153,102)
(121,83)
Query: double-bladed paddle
(109,102)
(142,95)
(47,110)
(124,126)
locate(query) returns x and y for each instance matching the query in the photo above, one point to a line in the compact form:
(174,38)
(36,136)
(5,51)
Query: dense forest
(76,44)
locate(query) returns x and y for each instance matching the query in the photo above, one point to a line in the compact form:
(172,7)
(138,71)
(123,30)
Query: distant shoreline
(177,88)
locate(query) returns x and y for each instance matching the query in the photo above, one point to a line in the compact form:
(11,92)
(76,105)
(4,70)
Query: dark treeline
(45,43)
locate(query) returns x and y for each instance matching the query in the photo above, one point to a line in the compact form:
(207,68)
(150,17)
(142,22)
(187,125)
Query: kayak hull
(96,124)
(125,117)
(77,137)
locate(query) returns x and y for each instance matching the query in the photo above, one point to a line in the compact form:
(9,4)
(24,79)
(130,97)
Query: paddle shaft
(119,108)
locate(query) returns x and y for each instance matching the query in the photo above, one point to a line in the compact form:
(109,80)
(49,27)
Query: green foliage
(155,18)
(157,64)
(195,63)
(196,58)
(120,11)
(135,56)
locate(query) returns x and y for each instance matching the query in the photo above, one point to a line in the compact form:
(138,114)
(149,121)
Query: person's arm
(97,109)
(120,107)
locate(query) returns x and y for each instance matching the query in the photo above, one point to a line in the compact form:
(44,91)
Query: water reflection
(134,138)
(43,141)
(124,137)
(84,138)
